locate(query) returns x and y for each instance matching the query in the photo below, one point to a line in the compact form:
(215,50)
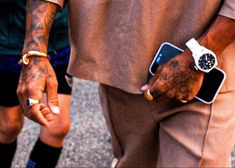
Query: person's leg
(11,117)
(11,122)
(48,147)
(132,127)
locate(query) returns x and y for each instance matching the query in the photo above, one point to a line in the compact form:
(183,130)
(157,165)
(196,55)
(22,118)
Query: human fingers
(29,97)
(52,96)
(46,113)
(149,93)
(32,84)
(153,91)
(158,87)
(170,94)
(36,115)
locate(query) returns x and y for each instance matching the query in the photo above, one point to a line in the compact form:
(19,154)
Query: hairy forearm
(39,18)
(220,34)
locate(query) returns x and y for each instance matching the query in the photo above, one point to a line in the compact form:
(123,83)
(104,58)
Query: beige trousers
(167,133)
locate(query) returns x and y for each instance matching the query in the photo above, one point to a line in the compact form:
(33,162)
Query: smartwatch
(205,59)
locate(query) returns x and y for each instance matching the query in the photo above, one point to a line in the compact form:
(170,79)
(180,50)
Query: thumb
(52,97)
(149,84)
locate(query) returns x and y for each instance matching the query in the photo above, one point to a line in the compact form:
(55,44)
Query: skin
(38,76)
(178,78)
(12,120)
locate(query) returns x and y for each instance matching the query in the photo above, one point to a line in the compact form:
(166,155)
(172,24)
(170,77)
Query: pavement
(88,144)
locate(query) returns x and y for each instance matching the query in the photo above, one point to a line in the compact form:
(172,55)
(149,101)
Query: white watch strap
(193,45)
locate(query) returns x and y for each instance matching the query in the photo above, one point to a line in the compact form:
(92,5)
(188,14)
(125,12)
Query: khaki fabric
(114,41)
(227,63)
(167,133)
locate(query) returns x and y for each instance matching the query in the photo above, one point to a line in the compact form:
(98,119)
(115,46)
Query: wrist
(204,58)
(26,57)
(220,34)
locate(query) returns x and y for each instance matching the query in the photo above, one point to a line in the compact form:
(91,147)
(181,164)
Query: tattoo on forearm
(40,16)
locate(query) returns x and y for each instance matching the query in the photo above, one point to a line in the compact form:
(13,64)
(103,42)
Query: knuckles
(25,90)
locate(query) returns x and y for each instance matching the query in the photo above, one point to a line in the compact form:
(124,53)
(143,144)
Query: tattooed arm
(38,76)
(178,78)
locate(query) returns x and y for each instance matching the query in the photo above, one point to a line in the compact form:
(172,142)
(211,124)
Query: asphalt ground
(88,143)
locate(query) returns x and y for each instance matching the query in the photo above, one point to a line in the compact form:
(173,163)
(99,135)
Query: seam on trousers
(111,120)
(206,134)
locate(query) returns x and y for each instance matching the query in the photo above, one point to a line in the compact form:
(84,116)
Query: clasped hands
(177,79)
(36,78)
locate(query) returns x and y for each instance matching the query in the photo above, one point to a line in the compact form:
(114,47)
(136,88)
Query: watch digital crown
(205,60)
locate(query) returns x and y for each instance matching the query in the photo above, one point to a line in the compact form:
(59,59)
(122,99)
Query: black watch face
(206,61)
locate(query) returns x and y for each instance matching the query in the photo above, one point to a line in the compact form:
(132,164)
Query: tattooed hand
(177,78)
(38,76)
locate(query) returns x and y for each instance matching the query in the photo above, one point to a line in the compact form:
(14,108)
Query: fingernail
(55,109)
(145,87)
